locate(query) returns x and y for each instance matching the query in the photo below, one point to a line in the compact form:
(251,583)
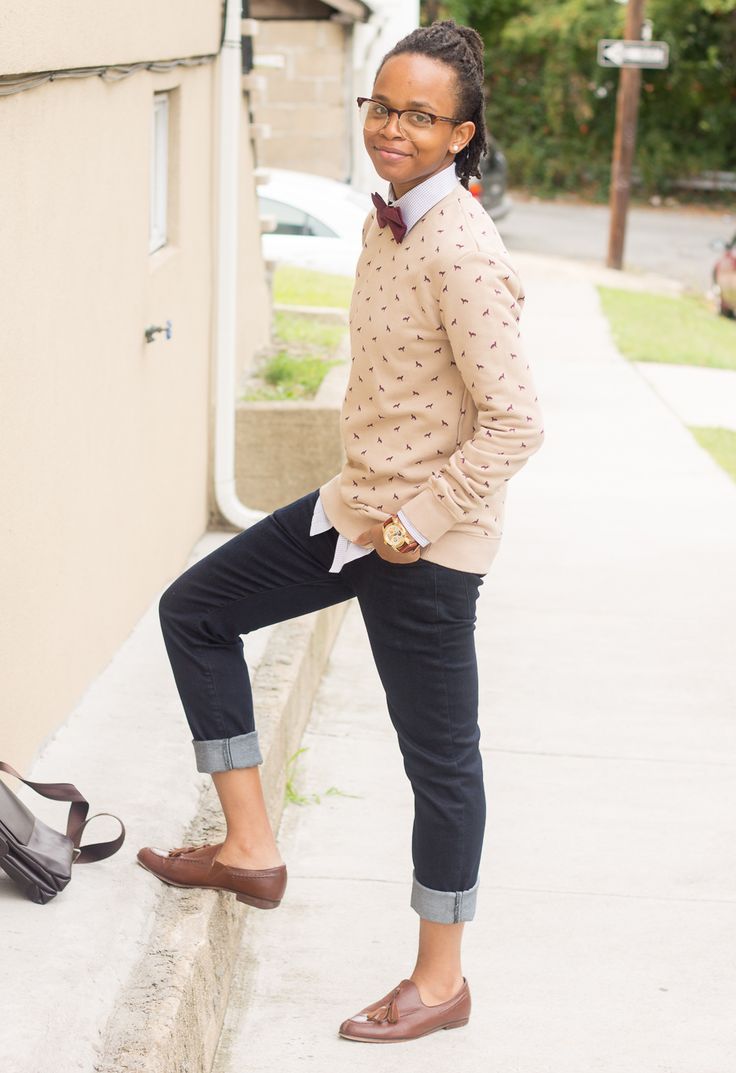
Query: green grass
(301,354)
(303,287)
(721,443)
(291,378)
(293,330)
(298,361)
(678,331)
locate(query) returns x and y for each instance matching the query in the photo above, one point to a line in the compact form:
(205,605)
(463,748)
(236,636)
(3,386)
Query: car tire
(723,309)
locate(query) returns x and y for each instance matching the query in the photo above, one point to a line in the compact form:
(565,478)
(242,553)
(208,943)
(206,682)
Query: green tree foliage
(552,107)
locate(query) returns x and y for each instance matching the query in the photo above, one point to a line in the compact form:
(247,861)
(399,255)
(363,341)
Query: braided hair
(461,48)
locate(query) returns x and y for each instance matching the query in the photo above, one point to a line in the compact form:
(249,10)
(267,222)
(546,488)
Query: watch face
(394,535)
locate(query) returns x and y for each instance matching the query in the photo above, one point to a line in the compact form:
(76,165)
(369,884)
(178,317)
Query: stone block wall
(305,102)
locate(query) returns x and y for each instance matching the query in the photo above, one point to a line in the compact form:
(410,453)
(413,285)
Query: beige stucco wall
(305,102)
(105,440)
(36,35)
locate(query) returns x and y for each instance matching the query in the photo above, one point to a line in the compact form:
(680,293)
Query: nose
(391,127)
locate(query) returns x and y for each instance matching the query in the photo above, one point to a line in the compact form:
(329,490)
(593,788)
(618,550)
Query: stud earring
(454,148)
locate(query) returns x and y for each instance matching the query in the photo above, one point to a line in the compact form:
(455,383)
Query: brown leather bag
(37,857)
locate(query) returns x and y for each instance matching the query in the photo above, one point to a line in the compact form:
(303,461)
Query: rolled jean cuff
(224,754)
(443,906)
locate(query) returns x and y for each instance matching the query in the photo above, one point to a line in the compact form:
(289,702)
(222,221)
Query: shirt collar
(421,198)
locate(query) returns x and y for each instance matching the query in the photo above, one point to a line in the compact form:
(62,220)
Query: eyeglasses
(375,116)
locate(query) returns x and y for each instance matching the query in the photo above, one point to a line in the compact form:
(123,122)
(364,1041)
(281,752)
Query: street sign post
(630,54)
(618,53)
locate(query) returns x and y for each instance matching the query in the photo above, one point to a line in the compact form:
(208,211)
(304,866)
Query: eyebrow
(412,104)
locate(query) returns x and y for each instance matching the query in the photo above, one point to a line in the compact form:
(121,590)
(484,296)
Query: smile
(389,154)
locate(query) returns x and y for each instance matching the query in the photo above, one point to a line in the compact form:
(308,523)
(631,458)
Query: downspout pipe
(228,179)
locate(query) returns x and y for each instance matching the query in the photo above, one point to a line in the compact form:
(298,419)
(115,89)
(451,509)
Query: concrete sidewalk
(126,748)
(109,975)
(698,396)
(607,913)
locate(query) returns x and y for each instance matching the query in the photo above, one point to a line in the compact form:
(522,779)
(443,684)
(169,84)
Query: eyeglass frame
(400,111)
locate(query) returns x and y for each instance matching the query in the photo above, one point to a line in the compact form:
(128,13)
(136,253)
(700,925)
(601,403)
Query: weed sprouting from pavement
(294,797)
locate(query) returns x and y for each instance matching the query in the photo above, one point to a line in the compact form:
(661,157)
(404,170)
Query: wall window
(158,223)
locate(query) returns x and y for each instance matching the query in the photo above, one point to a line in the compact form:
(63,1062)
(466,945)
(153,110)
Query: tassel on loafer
(196,866)
(401,1015)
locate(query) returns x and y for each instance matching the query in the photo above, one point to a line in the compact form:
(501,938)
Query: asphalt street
(672,242)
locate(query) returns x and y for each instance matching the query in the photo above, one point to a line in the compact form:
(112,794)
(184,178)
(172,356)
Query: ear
(461,136)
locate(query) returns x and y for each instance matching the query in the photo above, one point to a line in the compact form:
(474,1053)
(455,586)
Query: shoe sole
(249,899)
(405,1039)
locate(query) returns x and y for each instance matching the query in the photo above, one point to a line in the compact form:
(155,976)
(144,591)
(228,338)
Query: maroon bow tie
(389,214)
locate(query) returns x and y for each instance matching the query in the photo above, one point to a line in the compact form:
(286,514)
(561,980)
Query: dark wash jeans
(420,620)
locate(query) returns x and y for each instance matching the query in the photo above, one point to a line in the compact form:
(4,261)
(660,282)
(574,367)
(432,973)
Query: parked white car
(318,222)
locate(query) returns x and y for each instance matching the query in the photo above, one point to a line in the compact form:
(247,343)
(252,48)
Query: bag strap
(77,819)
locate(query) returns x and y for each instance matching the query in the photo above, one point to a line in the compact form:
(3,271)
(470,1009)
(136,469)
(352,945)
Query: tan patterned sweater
(440,409)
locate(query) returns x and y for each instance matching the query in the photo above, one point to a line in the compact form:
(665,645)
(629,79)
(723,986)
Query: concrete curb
(169,1015)
(597,273)
(338,313)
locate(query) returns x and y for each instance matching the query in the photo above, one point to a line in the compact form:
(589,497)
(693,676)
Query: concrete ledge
(337,313)
(170,1013)
(284,450)
(333,387)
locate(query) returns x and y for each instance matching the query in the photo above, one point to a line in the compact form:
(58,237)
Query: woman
(440,411)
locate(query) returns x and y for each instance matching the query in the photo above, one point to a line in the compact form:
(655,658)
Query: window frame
(159,173)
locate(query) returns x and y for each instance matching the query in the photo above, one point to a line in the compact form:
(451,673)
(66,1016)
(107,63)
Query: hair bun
(475,44)
(470,38)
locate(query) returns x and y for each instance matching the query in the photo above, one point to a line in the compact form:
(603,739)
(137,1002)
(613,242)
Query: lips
(389,154)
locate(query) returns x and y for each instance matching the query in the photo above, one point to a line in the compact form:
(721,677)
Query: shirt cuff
(412,530)
(320,522)
(428,515)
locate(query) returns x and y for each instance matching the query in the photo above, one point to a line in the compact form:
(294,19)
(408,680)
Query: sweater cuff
(427,514)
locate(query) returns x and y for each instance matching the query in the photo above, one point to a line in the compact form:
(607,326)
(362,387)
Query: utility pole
(627,108)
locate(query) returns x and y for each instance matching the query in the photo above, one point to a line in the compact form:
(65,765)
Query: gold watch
(396,536)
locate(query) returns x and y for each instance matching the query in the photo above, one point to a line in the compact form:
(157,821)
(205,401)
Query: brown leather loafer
(401,1015)
(196,867)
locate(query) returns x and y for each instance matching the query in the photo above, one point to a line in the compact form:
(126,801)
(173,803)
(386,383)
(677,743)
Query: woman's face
(411,80)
